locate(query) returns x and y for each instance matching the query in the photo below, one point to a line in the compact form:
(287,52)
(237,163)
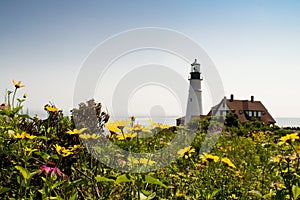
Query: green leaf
(103,179)
(23,171)
(4,189)
(149,194)
(55,185)
(296,191)
(255,193)
(74,196)
(25,116)
(44,155)
(123,179)
(152,180)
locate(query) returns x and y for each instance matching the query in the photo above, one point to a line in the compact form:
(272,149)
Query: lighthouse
(194,101)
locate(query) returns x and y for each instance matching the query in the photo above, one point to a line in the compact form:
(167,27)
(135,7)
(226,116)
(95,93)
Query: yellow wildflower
(51,108)
(277,159)
(112,127)
(157,125)
(146,161)
(75,131)
(89,136)
(124,136)
(24,135)
(207,157)
(290,137)
(186,152)
(25,96)
(228,162)
(62,151)
(121,124)
(18,84)
(278,185)
(76,146)
(139,128)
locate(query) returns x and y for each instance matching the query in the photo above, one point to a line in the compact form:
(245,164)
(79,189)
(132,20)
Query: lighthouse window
(191,99)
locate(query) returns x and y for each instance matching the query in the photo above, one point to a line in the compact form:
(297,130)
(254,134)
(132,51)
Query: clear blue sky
(255,45)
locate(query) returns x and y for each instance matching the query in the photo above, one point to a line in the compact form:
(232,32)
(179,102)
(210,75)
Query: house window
(258,114)
(250,113)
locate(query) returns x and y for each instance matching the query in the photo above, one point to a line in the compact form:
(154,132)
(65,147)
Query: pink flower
(54,170)
(3,106)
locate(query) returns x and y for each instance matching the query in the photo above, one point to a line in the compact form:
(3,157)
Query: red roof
(240,106)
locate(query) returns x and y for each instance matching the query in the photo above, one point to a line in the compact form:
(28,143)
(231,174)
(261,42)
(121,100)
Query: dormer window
(250,113)
(259,114)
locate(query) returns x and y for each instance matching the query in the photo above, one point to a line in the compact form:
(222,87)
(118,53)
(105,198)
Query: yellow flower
(186,152)
(125,136)
(89,136)
(75,131)
(143,161)
(278,185)
(63,151)
(25,96)
(24,135)
(277,159)
(76,146)
(139,128)
(121,124)
(18,84)
(290,137)
(30,136)
(51,108)
(146,161)
(228,162)
(112,127)
(207,157)
(157,125)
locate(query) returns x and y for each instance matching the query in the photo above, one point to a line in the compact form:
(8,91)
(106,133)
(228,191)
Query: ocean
(171,120)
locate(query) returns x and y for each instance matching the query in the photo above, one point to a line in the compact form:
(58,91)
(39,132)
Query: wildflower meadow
(53,159)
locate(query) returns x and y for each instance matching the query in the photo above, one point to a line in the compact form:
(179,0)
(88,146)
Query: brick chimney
(231,97)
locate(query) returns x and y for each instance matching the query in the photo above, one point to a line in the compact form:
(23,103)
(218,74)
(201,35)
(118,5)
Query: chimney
(231,97)
(252,99)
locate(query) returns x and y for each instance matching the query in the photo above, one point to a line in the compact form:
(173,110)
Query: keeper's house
(246,110)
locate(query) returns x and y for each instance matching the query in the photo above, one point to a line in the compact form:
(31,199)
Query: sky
(254,45)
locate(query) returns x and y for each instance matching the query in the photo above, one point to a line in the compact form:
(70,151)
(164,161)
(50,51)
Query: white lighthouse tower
(194,102)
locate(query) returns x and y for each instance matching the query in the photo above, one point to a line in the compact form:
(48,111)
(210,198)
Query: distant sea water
(171,120)
(287,122)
